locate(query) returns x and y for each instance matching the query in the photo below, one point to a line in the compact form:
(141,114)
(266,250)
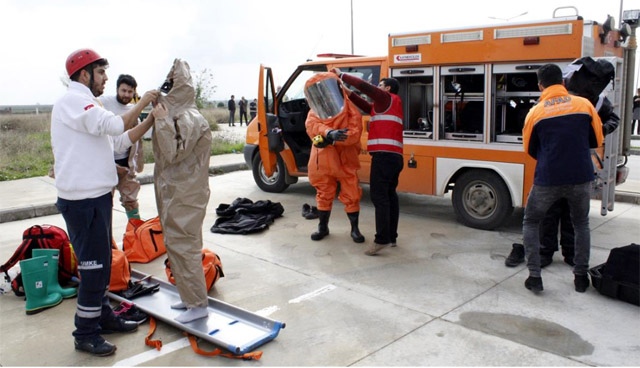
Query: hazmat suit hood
(325,95)
(588,78)
(182,149)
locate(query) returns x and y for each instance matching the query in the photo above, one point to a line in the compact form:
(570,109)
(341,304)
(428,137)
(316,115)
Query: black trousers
(383,181)
(557,214)
(89,225)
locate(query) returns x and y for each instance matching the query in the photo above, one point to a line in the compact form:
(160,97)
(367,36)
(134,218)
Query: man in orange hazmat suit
(334,124)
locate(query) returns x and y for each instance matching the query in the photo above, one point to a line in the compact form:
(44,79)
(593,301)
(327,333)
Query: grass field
(25,144)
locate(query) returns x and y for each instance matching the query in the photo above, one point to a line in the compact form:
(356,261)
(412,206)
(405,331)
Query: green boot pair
(40,280)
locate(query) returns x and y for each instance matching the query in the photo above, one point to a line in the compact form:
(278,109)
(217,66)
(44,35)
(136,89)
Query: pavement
(443,297)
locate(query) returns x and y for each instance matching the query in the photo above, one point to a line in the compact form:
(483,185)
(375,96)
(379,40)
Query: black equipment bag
(619,276)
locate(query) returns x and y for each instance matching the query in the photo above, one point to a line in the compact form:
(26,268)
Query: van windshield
(295,85)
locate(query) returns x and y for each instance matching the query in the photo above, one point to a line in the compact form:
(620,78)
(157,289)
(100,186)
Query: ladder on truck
(606,171)
(606,161)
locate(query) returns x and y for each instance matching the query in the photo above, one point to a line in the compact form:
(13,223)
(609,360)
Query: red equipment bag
(43,237)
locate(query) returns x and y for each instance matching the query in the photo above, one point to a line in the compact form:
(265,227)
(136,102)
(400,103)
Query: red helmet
(79,59)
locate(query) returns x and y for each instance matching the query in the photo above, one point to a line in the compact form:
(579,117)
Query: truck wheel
(271,184)
(481,199)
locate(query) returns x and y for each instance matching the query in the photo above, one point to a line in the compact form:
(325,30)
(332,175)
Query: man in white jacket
(84,136)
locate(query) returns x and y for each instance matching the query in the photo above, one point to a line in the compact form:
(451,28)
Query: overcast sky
(228,38)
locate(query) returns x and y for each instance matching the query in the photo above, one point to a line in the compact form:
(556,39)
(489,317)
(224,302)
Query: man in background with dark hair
(559,132)
(231,105)
(242,105)
(131,161)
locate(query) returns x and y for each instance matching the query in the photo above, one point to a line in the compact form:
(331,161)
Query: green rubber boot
(134,213)
(35,277)
(54,284)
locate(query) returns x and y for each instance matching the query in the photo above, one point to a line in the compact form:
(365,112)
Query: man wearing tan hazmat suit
(181,147)
(334,124)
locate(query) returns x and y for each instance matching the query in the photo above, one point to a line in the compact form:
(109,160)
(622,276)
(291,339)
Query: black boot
(355,232)
(323,226)
(516,256)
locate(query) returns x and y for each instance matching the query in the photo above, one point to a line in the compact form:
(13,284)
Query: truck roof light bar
(552,30)
(461,37)
(407,41)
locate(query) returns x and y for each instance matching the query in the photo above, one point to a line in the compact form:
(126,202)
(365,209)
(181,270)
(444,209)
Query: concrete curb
(16,214)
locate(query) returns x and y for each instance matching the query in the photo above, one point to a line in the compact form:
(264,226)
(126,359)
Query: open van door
(267,120)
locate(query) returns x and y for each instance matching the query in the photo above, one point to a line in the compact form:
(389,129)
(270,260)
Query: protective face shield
(324,94)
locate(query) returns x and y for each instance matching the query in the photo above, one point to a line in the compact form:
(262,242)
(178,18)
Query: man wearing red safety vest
(384,144)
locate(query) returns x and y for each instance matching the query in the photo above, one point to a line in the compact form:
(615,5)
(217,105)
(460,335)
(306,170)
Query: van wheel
(271,184)
(481,199)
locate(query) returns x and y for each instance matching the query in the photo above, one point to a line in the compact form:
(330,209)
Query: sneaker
(545,260)
(534,284)
(581,283)
(375,248)
(129,312)
(516,256)
(118,324)
(97,346)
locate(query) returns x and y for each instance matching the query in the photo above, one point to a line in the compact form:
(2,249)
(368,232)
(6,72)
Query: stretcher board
(229,327)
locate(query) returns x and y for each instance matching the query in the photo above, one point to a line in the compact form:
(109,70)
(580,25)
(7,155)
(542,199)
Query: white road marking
(153,353)
(312,294)
(266,312)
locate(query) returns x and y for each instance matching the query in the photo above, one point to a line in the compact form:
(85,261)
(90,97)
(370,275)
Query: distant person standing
(253,108)
(242,105)
(232,111)
(131,161)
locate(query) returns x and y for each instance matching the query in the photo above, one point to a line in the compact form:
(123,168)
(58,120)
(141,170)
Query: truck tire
(481,199)
(271,184)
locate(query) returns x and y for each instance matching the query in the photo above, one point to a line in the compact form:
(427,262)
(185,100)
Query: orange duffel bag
(143,241)
(211,265)
(120,270)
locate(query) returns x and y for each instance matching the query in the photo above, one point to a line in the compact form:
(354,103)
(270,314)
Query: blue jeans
(540,199)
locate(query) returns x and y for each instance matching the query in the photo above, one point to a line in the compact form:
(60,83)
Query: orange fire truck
(466,93)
